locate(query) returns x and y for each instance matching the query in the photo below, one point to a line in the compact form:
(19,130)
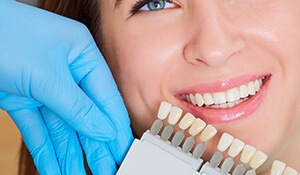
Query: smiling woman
(234,64)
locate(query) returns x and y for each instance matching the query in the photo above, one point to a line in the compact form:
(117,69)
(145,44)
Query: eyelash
(139,4)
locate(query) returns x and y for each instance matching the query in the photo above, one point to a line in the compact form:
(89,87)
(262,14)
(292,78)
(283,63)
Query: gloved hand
(58,89)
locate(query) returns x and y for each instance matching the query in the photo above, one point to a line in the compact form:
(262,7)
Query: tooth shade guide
(174,115)
(289,171)
(184,128)
(186,121)
(277,167)
(164,110)
(225,142)
(258,159)
(236,148)
(247,153)
(196,127)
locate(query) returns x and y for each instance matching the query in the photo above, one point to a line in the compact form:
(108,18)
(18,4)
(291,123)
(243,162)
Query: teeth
(247,153)
(208,132)
(164,110)
(290,171)
(199,99)
(277,167)
(230,97)
(174,115)
(225,142)
(219,97)
(186,121)
(236,147)
(243,91)
(233,95)
(197,127)
(208,99)
(258,159)
(192,99)
(256,86)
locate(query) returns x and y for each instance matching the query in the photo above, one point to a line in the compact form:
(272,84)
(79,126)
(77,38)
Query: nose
(213,39)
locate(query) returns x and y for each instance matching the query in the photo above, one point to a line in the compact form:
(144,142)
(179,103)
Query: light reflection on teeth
(228,99)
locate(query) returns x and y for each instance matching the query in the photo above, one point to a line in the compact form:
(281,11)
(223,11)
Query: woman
(179,50)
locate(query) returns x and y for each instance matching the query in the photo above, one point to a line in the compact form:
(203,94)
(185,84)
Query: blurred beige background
(9,145)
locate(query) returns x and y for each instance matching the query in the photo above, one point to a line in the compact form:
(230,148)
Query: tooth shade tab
(247,153)
(208,133)
(236,147)
(186,121)
(258,159)
(174,115)
(225,141)
(197,127)
(277,167)
(164,110)
(290,171)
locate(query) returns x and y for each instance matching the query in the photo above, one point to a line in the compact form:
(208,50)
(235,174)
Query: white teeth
(227,99)
(251,88)
(192,98)
(208,100)
(233,95)
(219,97)
(243,91)
(256,86)
(223,106)
(199,99)
(230,104)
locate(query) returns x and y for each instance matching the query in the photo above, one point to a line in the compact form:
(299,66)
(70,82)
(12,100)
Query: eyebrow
(118,2)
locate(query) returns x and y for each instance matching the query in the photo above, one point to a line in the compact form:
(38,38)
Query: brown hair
(84,11)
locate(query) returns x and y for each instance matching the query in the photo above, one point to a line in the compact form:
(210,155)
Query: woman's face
(210,47)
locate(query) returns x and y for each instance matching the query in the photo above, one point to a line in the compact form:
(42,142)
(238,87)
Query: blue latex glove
(58,89)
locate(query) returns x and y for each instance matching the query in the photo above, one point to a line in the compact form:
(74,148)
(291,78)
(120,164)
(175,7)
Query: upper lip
(219,86)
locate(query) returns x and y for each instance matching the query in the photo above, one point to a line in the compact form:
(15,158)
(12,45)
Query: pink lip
(220,116)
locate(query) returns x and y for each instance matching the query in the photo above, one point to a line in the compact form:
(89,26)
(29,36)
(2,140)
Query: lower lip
(238,112)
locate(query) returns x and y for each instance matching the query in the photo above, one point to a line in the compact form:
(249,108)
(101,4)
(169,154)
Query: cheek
(141,64)
(144,59)
(280,38)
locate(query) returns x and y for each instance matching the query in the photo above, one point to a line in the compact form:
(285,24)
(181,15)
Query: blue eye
(155,5)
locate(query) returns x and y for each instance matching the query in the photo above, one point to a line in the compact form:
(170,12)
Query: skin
(153,55)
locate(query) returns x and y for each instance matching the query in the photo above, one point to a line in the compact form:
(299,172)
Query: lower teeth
(225,105)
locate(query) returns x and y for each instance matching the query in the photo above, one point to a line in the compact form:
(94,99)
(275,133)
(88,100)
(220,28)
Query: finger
(95,78)
(37,140)
(98,156)
(66,99)
(65,142)
(10,102)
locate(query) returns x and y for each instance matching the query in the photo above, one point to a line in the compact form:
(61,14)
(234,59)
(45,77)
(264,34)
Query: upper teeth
(226,99)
